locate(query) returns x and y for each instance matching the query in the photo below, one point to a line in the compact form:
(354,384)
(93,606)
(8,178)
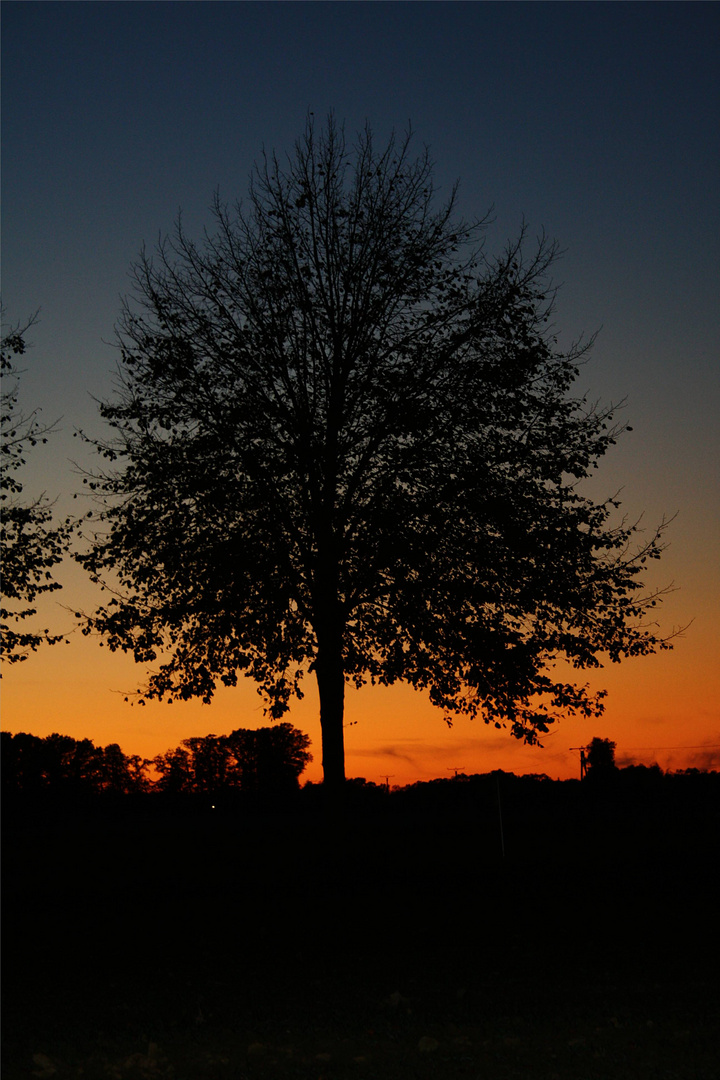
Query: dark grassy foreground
(391,945)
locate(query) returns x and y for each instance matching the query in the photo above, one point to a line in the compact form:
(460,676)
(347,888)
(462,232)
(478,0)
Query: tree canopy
(61,765)
(600,757)
(31,544)
(267,760)
(346,441)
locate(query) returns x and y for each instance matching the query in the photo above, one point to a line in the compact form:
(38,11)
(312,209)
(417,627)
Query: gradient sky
(596,122)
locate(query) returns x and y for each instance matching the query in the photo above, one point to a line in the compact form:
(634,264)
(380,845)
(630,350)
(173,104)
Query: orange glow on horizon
(662,708)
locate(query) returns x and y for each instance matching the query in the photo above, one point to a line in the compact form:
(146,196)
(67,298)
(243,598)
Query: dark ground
(386,945)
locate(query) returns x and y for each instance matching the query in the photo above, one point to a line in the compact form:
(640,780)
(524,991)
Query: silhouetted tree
(208,763)
(345,443)
(600,757)
(123,774)
(61,765)
(31,545)
(267,760)
(22,763)
(175,771)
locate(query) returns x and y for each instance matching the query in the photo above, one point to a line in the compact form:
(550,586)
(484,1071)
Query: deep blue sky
(596,122)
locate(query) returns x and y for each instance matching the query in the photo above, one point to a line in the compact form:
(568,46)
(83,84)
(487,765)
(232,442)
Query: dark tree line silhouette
(263,762)
(270,761)
(60,764)
(267,760)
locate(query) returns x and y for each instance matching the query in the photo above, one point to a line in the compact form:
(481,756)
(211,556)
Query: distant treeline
(268,760)
(634,782)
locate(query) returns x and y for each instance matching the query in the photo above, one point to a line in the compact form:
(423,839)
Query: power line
(700,746)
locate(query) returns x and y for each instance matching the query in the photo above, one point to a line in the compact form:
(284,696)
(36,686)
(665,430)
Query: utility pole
(460,768)
(583,760)
(500,820)
(387,782)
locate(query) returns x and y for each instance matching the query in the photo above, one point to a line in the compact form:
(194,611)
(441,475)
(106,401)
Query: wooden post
(583,760)
(502,835)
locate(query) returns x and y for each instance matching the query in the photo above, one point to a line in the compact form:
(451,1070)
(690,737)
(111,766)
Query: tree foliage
(600,757)
(31,544)
(268,761)
(345,440)
(265,761)
(61,765)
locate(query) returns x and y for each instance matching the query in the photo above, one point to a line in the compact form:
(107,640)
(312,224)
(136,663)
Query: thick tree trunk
(331,686)
(329,623)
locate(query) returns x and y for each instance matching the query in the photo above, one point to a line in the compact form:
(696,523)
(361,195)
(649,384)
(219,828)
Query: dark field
(390,942)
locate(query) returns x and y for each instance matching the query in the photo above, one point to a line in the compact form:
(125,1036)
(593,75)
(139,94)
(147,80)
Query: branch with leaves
(31,543)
